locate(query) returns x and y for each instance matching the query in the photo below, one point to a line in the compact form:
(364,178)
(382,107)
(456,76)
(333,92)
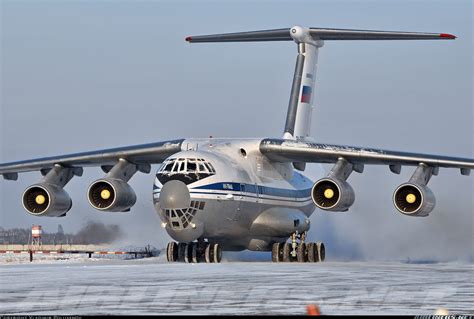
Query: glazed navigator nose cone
(174,195)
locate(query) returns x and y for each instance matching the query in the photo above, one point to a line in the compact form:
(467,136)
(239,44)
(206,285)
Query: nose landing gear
(194,252)
(300,252)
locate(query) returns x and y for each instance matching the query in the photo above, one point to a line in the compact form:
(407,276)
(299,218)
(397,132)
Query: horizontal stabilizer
(263,35)
(318,34)
(347,34)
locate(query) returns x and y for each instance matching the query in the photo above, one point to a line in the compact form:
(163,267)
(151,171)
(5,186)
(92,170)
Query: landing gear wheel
(276,252)
(181,252)
(321,251)
(209,253)
(172,252)
(201,251)
(301,255)
(286,253)
(194,253)
(312,252)
(188,253)
(217,253)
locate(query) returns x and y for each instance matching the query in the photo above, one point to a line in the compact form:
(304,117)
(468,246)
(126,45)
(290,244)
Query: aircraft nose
(174,195)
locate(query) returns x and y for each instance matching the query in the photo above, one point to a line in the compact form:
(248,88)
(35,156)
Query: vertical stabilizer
(300,107)
(309,40)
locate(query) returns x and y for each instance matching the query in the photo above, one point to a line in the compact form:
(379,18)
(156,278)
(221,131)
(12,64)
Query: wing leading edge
(142,155)
(281,150)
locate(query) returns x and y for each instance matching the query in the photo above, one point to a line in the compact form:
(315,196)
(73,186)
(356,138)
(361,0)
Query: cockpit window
(168,166)
(188,170)
(192,166)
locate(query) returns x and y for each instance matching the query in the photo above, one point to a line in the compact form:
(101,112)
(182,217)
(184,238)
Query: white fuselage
(241,200)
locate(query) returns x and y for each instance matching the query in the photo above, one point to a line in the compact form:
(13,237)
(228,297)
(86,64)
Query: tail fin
(309,40)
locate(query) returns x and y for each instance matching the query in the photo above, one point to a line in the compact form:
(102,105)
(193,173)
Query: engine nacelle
(333,194)
(46,200)
(113,195)
(414,199)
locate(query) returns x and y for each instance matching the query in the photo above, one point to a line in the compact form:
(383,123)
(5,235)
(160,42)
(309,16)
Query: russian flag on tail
(306,94)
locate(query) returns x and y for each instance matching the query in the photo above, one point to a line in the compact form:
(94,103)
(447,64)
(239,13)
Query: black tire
(181,251)
(172,252)
(301,255)
(321,251)
(188,253)
(286,255)
(195,253)
(276,252)
(209,253)
(217,253)
(312,252)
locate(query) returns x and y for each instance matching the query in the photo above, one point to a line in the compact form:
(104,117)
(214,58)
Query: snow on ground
(14,259)
(152,286)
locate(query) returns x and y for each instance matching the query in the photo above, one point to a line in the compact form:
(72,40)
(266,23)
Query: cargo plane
(232,194)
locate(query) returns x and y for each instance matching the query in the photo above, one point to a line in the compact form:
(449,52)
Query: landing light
(193,225)
(40,199)
(163,225)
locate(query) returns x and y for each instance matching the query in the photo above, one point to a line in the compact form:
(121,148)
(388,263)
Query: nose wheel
(298,250)
(194,252)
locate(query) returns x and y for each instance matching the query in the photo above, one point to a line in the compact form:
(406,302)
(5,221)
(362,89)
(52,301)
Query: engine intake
(333,195)
(114,195)
(46,200)
(414,199)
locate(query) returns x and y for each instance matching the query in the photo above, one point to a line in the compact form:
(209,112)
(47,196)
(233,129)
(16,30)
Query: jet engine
(415,198)
(46,200)
(112,195)
(333,194)
(48,197)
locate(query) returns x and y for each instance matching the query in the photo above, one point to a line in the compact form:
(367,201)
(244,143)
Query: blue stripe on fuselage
(262,190)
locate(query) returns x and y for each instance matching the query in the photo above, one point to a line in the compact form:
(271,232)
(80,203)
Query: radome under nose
(174,195)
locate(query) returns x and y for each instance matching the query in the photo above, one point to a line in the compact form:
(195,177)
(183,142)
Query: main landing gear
(194,252)
(298,250)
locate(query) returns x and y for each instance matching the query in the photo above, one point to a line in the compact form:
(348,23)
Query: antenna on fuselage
(309,40)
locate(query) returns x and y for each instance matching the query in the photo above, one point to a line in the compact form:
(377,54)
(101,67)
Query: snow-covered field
(83,286)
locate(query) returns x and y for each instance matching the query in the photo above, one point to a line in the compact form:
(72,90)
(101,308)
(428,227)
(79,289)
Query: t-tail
(309,40)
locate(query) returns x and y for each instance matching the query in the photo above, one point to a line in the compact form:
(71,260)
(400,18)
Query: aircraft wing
(281,150)
(141,155)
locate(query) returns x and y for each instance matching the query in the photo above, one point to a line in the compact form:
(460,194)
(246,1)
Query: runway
(151,286)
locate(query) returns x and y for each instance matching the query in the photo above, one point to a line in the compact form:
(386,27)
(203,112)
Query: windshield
(187,170)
